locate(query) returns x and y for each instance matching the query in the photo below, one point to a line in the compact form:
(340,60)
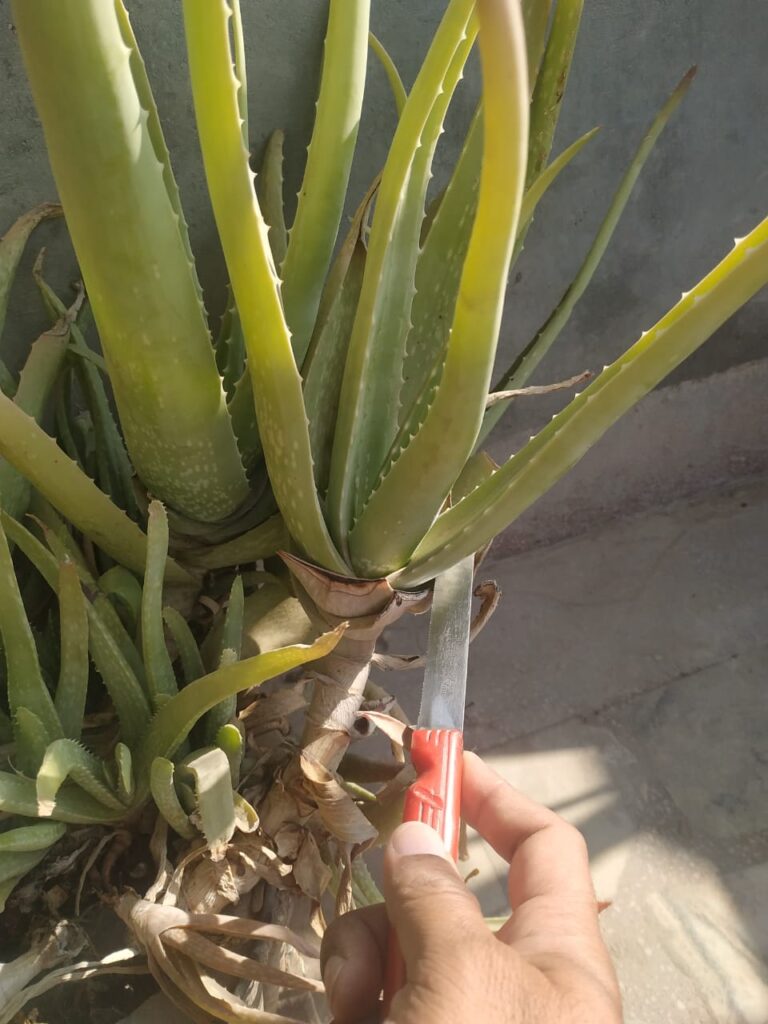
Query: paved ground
(623,682)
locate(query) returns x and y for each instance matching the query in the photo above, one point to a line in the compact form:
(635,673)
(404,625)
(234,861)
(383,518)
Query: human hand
(546,965)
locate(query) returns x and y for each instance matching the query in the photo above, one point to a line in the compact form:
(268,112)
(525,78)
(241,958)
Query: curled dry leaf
(339,813)
(395,730)
(311,873)
(214,884)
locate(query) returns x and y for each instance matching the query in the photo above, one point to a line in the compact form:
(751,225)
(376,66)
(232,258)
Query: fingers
(427,902)
(352,959)
(547,856)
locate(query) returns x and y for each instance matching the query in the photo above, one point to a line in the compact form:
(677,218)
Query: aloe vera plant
(337,419)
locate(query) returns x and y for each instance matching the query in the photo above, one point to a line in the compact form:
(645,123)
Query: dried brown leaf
(338,812)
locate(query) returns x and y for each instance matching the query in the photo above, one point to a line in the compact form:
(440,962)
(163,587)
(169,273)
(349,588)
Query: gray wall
(706,183)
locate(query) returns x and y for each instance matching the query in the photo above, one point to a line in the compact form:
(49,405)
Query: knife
(437,742)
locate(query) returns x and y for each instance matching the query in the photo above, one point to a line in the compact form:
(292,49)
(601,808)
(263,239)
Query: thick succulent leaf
(189,654)
(36,382)
(29,838)
(37,457)
(276,380)
(12,247)
(14,865)
(230,740)
(260,542)
(238,52)
(229,652)
(414,487)
(31,740)
(119,678)
(157,661)
(163,789)
(370,397)
(123,587)
(329,159)
(94,102)
(174,721)
(73,642)
(535,468)
(124,772)
(215,804)
(242,409)
(536,16)
(390,70)
(67,759)
(19,796)
(523,367)
(24,680)
(269,189)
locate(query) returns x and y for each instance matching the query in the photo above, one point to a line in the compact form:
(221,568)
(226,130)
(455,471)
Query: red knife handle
(435,799)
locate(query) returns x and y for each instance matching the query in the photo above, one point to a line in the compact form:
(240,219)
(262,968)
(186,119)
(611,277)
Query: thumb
(427,901)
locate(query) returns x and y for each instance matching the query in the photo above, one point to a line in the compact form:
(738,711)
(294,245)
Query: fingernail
(414,838)
(331,973)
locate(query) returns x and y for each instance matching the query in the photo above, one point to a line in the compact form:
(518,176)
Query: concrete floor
(623,683)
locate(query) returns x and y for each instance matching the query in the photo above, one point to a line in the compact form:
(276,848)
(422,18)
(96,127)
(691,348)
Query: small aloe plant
(337,419)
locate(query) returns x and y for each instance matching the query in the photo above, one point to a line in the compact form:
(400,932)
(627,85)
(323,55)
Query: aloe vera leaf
(390,70)
(477,470)
(73,668)
(370,395)
(122,585)
(191,663)
(230,347)
(6,726)
(536,15)
(260,542)
(36,382)
(119,678)
(420,475)
(124,773)
(163,790)
(312,237)
(559,446)
(537,188)
(269,189)
(89,85)
(157,661)
(240,69)
(15,865)
(12,246)
(230,740)
(242,409)
(67,759)
(275,377)
(19,796)
(25,684)
(214,800)
(31,740)
(523,367)
(37,456)
(231,644)
(175,719)
(30,838)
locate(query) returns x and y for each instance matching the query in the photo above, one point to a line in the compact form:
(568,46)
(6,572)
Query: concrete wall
(706,183)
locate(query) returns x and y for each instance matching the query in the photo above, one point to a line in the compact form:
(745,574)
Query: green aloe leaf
(230,740)
(157,661)
(536,17)
(96,108)
(370,396)
(32,740)
(549,175)
(72,686)
(124,772)
(269,188)
(523,367)
(260,542)
(30,838)
(390,70)
(189,653)
(312,237)
(38,458)
(275,377)
(122,586)
(554,450)
(14,865)
(19,796)
(67,759)
(208,771)
(163,789)
(231,644)
(422,470)
(174,721)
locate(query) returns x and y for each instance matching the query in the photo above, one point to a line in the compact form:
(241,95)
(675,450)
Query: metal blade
(445,675)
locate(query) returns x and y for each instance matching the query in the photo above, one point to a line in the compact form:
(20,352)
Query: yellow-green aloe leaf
(536,17)
(412,491)
(32,740)
(174,721)
(29,838)
(157,662)
(19,796)
(269,188)
(312,237)
(67,759)
(73,671)
(260,542)
(209,773)
(524,365)
(230,740)
(12,247)
(124,772)
(189,653)
(93,98)
(121,585)
(276,380)
(370,395)
(554,450)
(230,647)
(390,70)
(163,790)
(25,684)
(61,481)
